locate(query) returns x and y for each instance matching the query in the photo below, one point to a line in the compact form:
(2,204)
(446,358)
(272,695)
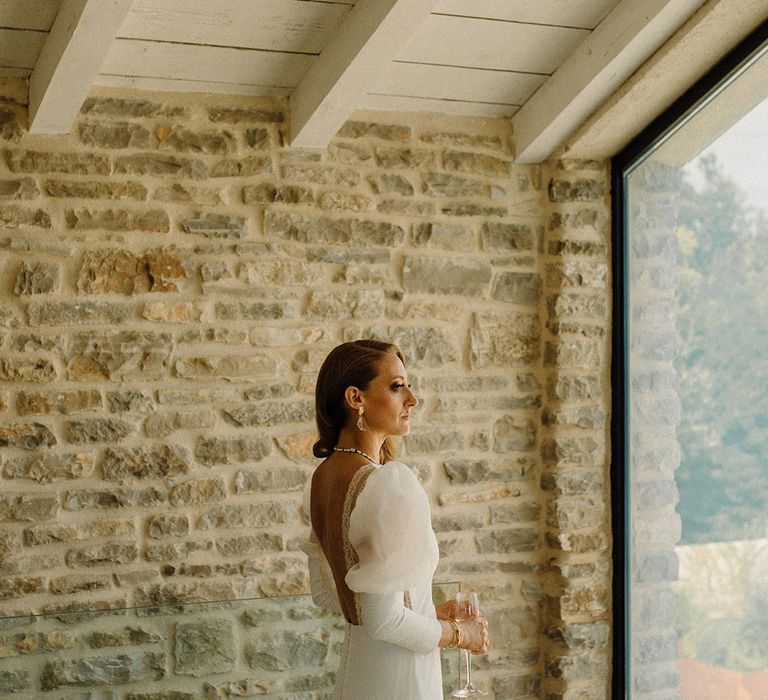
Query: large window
(691,380)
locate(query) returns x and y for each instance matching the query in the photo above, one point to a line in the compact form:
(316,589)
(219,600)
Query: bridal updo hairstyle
(350,364)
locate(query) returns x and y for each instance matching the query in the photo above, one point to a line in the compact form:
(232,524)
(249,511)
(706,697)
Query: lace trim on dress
(350,555)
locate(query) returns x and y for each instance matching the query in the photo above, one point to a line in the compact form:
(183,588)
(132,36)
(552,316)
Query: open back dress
(372,554)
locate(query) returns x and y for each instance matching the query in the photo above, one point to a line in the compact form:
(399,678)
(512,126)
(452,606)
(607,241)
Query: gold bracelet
(456,639)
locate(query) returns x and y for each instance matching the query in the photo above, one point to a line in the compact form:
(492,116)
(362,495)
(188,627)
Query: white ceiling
(547,64)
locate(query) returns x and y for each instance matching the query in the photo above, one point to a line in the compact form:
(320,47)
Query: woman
(371,548)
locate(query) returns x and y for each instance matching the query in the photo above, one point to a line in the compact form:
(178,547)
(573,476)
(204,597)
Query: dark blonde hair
(350,364)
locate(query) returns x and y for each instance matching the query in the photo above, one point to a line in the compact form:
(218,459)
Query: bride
(372,552)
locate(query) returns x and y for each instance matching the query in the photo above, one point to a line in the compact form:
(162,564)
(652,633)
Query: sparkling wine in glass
(466,607)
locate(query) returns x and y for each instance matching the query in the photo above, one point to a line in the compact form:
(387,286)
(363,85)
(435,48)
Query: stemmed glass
(466,607)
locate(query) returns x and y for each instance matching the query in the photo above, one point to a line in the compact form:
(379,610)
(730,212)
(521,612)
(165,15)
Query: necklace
(356,451)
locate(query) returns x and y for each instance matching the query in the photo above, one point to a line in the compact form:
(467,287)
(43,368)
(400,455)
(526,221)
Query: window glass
(696,228)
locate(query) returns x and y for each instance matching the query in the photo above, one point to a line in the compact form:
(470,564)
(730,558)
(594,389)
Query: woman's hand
(474,634)
(447,610)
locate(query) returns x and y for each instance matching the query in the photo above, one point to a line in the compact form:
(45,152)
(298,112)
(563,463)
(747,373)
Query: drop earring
(360,422)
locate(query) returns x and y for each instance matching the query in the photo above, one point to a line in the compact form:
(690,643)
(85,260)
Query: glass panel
(697,313)
(281,647)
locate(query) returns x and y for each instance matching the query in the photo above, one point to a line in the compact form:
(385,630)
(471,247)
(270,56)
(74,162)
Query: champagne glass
(466,607)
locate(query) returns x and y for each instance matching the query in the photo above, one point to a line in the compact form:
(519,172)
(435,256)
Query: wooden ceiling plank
(20,48)
(275,25)
(620,44)
(69,61)
(450,83)
(396,103)
(562,13)
(337,82)
(186,86)
(37,15)
(215,64)
(484,43)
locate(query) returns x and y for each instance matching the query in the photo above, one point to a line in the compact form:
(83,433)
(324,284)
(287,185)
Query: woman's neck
(365,441)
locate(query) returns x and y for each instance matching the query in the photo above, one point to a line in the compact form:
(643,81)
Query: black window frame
(649,138)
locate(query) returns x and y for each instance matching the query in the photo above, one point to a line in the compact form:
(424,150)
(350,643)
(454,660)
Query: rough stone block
(514,433)
(100,671)
(92,430)
(45,467)
(22,161)
(446,276)
(231,450)
(12,216)
(346,304)
(152,220)
(245,115)
(95,190)
(66,585)
(287,650)
(589,274)
(266,193)
(434,440)
(469,162)
(261,543)
(390,183)
(10,128)
(204,647)
(122,272)
(27,436)
(517,287)
(247,515)
(272,413)
(198,492)
(66,402)
(578,190)
(446,185)
(216,225)
(160,164)
(109,554)
(386,132)
(571,353)
(503,340)
(228,366)
(163,424)
(18,188)
(176,192)
(472,209)
(51,313)
(344,201)
(590,417)
(113,135)
(422,347)
(508,540)
(144,462)
(469,471)
(26,369)
(245,167)
(515,512)
(187,141)
(124,108)
(507,237)
(118,355)
(575,482)
(14,681)
(322,229)
(445,236)
(270,479)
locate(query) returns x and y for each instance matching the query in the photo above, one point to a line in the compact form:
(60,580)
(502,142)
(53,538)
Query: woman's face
(387,402)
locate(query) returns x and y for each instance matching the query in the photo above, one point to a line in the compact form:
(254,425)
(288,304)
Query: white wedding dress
(393,653)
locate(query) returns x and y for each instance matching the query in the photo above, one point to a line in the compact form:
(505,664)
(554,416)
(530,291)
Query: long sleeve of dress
(391,532)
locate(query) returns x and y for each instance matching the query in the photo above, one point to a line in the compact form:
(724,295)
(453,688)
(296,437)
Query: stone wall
(173,275)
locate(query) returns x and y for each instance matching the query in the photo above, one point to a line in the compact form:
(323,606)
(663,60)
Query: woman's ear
(353,397)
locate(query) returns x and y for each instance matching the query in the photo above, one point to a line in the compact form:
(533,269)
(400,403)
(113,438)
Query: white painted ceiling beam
(336,84)
(628,36)
(76,46)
